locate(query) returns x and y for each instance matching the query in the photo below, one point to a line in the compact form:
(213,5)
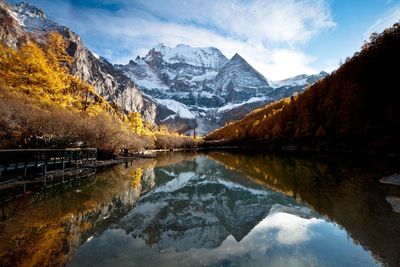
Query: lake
(212,209)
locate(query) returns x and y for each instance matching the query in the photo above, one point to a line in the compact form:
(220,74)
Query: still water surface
(213,209)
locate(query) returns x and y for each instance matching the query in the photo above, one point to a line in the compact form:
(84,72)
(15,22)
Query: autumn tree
(136,122)
(28,70)
(56,49)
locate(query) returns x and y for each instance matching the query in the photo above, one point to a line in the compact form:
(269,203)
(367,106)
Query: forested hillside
(354,108)
(43,105)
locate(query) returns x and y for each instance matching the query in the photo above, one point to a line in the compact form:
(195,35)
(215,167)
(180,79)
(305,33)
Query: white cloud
(291,229)
(274,63)
(268,34)
(278,21)
(384,22)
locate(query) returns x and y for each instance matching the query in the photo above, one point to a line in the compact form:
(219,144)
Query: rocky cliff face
(25,21)
(11,31)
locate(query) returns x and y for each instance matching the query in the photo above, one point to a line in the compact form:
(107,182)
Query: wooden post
(25,169)
(45,172)
(95,160)
(76,169)
(45,168)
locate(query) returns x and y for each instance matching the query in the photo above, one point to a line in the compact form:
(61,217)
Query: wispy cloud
(269,34)
(390,18)
(278,21)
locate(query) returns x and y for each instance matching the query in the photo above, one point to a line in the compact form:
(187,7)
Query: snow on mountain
(140,72)
(299,80)
(206,77)
(34,19)
(178,108)
(208,57)
(231,106)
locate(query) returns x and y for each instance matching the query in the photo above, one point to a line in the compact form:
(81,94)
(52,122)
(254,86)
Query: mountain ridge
(208,92)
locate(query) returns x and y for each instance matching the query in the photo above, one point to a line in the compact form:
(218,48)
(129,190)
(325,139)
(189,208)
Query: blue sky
(280,38)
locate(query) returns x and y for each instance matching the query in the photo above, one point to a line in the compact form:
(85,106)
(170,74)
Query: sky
(280,38)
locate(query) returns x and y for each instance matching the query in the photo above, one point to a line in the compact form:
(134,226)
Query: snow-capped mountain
(206,84)
(181,73)
(208,58)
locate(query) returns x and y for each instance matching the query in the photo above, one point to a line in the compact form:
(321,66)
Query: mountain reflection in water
(215,209)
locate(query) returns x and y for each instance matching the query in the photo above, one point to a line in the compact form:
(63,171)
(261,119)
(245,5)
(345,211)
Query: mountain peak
(238,60)
(159,46)
(34,19)
(182,46)
(323,73)
(30,10)
(207,57)
(238,81)
(237,57)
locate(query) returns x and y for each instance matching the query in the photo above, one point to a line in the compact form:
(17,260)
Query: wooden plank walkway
(28,168)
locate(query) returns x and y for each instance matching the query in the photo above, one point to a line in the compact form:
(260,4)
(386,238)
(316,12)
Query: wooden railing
(19,167)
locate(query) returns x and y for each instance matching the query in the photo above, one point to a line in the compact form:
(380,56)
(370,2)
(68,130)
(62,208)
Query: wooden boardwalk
(21,170)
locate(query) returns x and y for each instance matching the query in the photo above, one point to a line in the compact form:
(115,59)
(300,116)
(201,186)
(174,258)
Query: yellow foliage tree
(163,129)
(28,70)
(7,56)
(136,122)
(56,50)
